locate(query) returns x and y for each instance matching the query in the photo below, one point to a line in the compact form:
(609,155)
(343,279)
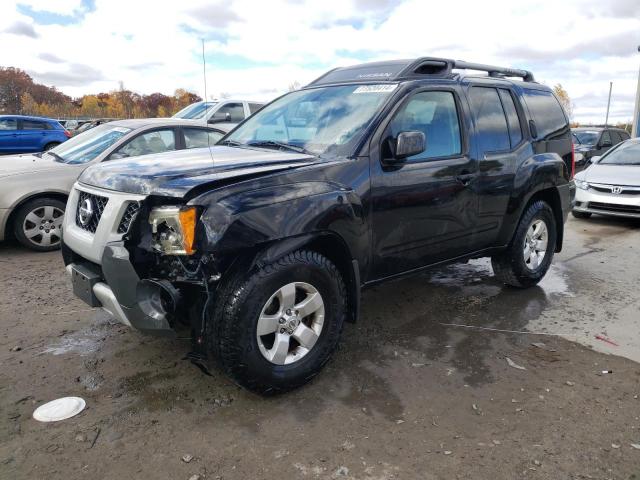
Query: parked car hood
(175,173)
(27,163)
(613,174)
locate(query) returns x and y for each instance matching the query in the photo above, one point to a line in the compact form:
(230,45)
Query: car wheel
(277,325)
(49,146)
(580,214)
(526,261)
(37,224)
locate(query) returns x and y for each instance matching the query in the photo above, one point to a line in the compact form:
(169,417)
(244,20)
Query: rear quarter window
(547,113)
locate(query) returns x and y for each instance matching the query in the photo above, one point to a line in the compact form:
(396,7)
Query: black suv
(592,142)
(262,244)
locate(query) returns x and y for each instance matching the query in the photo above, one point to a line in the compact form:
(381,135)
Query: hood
(628,175)
(175,173)
(28,163)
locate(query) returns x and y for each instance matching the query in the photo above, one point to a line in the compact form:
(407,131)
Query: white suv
(222,111)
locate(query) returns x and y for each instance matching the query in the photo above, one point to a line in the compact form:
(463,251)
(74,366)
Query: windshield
(317,120)
(196,110)
(86,146)
(586,137)
(626,153)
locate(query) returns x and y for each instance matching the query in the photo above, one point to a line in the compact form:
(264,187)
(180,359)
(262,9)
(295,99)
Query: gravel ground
(405,397)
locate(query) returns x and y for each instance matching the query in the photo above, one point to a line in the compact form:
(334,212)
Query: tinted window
(491,122)
(33,125)
(546,112)
(605,139)
(8,124)
(157,141)
(435,114)
(235,111)
(624,136)
(254,107)
(199,137)
(513,122)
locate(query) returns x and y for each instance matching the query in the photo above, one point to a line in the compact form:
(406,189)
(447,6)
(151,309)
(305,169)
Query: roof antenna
(206,120)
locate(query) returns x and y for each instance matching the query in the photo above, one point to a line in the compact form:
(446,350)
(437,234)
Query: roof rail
(444,66)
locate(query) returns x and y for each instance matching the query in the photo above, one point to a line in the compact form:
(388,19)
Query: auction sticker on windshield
(385,88)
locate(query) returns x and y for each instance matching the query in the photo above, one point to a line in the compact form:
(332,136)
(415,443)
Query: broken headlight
(173,229)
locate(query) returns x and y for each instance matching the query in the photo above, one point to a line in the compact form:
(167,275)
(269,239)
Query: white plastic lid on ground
(59,409)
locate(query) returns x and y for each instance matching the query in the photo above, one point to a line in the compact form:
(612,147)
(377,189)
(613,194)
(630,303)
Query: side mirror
(409,144)
(595,159)
(219,118)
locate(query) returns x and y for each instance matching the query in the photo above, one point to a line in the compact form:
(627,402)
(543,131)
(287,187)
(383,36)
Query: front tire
(38,223)
(276,326)
(526,261)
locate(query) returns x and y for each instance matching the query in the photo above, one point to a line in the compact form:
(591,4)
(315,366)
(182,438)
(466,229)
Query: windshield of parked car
(86,146)
(586,137)
(318,121)
(196,110)
(626,153)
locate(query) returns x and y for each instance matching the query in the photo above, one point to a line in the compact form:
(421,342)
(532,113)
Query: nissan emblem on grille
(85,212)
(616,190)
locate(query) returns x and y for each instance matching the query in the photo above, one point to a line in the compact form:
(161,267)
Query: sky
(256,49)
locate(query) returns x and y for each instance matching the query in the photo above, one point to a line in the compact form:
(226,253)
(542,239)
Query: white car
(222,111)
(611,185)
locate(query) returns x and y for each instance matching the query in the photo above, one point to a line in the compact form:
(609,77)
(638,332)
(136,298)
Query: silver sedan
(34,187)
(611,185)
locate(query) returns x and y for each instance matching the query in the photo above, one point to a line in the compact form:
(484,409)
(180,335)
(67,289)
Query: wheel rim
(42,226)
(290,323)
(535,244)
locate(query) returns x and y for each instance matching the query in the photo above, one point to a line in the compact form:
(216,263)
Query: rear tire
(264,335)
(577,214)
(51,145)
(526,261)
(38,223)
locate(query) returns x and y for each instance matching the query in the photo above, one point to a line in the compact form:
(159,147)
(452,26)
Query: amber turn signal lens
(187,218)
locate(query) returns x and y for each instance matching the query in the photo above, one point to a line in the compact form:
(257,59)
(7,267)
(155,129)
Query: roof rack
(444,66)
(395,70)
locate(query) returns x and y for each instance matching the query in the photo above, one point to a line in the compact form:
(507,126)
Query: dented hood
(175,173)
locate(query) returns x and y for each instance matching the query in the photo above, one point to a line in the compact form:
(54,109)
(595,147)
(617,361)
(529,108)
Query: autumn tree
(564,98)
(28,105)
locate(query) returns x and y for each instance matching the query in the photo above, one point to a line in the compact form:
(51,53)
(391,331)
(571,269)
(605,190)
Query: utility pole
(635,124)
(606,120)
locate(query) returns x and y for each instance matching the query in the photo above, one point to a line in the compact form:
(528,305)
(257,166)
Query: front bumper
(602,203)
(114,285)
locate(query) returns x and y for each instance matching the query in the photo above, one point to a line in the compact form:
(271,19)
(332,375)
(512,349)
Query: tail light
(67,133)
(573,161)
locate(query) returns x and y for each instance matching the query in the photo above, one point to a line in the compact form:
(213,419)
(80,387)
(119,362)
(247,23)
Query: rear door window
(8,124)
(491,122)
(515,130)
(33,125)
(199,137)
(254,107)
(547,114)
(605,139)
(616,138)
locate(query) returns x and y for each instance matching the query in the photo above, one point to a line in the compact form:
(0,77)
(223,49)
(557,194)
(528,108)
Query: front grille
(89,218)
(127,218)
(613,207)
(607,189)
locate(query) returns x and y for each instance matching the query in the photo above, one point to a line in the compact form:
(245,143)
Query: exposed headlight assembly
(581,184)
(173,229)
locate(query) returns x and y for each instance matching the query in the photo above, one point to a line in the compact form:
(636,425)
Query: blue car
(22,134)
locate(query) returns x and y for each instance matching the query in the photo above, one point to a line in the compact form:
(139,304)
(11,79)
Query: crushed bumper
(115,286)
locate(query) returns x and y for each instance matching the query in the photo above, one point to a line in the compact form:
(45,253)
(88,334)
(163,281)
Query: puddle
(83,342)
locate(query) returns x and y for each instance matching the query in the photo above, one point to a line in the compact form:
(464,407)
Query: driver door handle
(465,178)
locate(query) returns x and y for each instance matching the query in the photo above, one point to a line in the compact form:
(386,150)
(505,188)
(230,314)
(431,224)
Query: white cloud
(265,46)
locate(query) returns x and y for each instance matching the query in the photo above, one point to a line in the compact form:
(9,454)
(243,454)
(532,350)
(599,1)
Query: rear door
(424,209)
(500,147)
(33,135)
(8,135)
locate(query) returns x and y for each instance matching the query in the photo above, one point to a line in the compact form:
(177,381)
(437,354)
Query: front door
(8,135)
(424,209)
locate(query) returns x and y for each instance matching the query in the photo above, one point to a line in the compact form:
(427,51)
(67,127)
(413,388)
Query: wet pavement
(420,387)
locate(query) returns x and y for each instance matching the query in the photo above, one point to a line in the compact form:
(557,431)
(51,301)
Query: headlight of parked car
(173,229)
(582,184)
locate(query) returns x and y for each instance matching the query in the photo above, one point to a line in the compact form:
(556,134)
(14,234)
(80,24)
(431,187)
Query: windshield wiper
(56,156)
(285,146)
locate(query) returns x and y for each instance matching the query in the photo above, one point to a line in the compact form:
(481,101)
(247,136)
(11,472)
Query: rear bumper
(115,286)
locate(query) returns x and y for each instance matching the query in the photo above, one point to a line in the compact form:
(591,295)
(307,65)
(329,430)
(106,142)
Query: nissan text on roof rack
(262,244)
